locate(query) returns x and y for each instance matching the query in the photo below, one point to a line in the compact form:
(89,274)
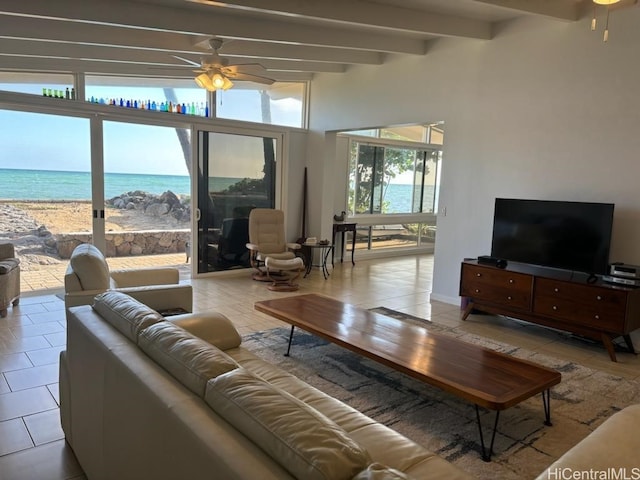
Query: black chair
(232,244)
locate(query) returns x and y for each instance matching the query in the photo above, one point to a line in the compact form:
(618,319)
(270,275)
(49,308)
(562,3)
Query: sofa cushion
(302,440)
(126,314)
(91,268)
(376,471)
(191,360)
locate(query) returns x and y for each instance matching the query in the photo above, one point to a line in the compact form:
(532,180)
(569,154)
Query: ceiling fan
(215,73)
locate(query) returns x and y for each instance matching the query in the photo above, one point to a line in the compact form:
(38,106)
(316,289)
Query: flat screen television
(567,235)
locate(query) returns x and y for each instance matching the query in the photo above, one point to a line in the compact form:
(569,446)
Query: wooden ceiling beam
(363,13)
(568,10)
(204,21)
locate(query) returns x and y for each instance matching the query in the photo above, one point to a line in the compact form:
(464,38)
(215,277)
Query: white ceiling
(292,39)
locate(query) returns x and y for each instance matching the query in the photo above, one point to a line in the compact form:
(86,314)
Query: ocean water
(56,185)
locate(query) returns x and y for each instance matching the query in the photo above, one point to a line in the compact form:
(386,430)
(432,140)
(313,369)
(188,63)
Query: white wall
(545,110)
(295,148)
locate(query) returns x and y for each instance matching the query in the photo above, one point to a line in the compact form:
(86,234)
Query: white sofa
(610,451)
(88,275)
(144,397)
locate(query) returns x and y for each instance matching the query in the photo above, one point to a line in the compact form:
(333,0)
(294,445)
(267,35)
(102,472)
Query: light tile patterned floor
(32,445)
(45,277)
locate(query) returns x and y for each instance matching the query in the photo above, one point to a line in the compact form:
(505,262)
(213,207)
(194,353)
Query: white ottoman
(287,271)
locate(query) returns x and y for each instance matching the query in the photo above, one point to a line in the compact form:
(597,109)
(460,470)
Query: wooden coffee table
(486,378)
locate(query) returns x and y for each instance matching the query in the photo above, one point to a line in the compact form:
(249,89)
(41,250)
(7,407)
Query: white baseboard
(445,299)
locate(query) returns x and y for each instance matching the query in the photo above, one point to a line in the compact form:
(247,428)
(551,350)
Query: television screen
(568,235)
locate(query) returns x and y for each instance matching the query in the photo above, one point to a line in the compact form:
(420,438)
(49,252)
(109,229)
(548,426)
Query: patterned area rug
(524,446)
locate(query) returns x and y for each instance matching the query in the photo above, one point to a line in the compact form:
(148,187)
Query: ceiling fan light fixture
(204,81)
(227,84)
(217,80)
(605,2)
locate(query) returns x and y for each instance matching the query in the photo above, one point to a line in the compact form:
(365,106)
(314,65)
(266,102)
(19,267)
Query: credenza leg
(546,403)
(467,310)
(608,344)
(290,339)
(486,456)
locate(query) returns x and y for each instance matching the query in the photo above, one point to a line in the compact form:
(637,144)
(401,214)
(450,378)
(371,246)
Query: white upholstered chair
(272,256)
(88,275)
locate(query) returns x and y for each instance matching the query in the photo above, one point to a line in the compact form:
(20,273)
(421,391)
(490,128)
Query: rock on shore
(154,205)
(33,243)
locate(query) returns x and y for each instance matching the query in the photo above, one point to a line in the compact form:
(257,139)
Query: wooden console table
(344,228)
(554,298)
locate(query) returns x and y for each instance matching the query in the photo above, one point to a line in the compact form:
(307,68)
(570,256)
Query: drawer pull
(477,290)
(511,280)
(478,274)
(598,297)
(509,297)
(556,289)
(597,317)
(554,307)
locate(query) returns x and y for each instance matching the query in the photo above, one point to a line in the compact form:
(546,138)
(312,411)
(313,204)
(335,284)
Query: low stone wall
(123,244)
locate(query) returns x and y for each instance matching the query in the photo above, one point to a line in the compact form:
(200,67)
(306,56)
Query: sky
(54,142)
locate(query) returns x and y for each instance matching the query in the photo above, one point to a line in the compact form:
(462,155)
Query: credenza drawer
(496,286)
(590,296)
(605,319)
(592,306)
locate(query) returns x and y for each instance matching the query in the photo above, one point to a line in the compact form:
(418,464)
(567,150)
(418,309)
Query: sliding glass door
(46,191)
(147,191)
(236,173)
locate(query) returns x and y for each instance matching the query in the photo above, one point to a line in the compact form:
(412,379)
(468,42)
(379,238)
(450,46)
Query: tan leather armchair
(271,255)
(9,278)
(88,275)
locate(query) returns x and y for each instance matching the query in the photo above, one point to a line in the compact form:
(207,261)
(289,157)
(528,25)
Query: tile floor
(32,445)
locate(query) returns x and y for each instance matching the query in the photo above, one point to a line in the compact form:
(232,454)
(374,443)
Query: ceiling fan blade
(186,60)
(249,68)
(251,78)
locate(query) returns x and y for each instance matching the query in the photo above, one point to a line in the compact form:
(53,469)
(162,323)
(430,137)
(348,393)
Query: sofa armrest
(157,297)
(252,246)
(294,246)
(163,297)
(80,297)
(145,276)
(611,446)
(212,327)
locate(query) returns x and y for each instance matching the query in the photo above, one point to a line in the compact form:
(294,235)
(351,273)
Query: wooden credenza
(554,298)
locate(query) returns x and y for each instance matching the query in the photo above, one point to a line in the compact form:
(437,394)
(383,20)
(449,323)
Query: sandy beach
(29,225)
(65,217)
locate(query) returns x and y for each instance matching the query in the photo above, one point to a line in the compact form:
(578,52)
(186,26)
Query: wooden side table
(343,228)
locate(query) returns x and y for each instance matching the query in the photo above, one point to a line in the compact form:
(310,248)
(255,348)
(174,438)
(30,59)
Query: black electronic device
(625,270)
(573,236)
(493,261)
(623,274)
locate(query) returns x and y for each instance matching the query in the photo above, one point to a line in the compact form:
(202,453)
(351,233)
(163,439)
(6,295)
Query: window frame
(376,218)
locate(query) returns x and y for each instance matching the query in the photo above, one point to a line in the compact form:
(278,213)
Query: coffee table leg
(546,403)
(487,456)
(290,339)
